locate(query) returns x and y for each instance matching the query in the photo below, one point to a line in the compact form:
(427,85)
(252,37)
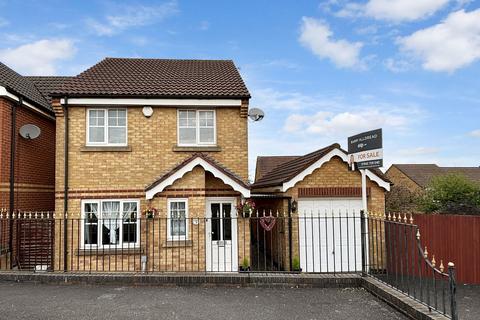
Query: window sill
(178,243)
(109,251)
(197,148)
(106,149)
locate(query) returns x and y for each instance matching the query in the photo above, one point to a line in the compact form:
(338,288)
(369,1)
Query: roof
(47,85)
(165,78)
(289,169)
(275,170)
(266,164)
(421,174)
(208,160)
(23,86)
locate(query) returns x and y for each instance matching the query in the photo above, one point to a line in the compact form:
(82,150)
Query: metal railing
(398,259)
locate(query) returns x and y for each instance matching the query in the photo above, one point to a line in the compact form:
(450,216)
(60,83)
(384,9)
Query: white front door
(330,234)
(221,235)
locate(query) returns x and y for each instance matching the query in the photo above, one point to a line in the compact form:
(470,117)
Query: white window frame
(99,244)
(197,129)
(105,141)
(171,237)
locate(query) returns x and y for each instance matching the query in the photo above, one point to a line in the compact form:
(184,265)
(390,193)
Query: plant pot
(242,269)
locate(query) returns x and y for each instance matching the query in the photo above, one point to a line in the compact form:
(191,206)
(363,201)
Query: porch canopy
(208,164)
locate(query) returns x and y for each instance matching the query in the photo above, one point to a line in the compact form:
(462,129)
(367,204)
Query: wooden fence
(453,238)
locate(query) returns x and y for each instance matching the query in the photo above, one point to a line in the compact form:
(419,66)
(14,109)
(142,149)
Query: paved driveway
(30,301)
(468,302)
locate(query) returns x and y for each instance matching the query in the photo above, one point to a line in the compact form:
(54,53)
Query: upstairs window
(196,127)
(107,127)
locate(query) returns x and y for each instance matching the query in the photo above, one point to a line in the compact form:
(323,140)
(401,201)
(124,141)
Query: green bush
(296,264)
(451,193)
(245,263)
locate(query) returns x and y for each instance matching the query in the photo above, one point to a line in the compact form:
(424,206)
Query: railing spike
(434,262)
(425,253)
(405,220)
(418,234)
(411,218)
(441,267)
(389,216)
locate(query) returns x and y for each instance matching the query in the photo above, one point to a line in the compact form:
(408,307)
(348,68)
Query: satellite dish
(256,114)
(30,131)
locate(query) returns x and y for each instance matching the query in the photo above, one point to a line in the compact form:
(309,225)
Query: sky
(320,70)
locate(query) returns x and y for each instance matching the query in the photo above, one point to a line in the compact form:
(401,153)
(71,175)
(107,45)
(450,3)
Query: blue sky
(321,70)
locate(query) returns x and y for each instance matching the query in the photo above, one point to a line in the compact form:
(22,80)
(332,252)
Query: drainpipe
(13,140)
(65,192)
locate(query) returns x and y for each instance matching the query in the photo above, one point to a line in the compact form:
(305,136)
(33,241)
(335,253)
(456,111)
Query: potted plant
(296,265)
(245,208)
(245,266)
(150,212)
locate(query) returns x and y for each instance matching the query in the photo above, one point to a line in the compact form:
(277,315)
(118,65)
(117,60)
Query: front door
(221,235)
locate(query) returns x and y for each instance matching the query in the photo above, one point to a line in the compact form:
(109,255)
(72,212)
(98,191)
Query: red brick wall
(34,163)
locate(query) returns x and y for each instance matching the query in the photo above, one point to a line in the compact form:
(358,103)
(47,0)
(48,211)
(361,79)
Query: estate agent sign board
(366,149)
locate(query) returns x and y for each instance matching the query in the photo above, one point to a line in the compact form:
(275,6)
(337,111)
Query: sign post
(365,151)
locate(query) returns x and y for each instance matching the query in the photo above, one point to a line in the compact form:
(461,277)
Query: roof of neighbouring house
(275,170)
(47,84)
(23,86)
(421,174)
(165,78)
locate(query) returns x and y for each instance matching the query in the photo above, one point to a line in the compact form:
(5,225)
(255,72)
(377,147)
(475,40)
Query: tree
(451,193)
(401,199)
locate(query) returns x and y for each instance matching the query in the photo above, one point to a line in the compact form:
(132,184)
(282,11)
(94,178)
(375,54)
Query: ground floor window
(110,223)
(177,219)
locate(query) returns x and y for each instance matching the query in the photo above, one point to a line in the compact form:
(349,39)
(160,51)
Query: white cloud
(402,10)
(345,123)
(317,36)
(452,44)
(132,16)
(39,57)
(418,151)
(475,133)
(397,65)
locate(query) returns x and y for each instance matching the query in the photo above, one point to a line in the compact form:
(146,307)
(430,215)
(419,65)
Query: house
(411,179)
(158,135)
(27,165)
(322,194)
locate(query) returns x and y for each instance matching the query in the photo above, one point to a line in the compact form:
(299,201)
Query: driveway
(468,302)
(31,301)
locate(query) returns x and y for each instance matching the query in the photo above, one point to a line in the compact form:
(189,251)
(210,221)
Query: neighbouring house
(27,166)
(409,181)
(323,195)
(160,137)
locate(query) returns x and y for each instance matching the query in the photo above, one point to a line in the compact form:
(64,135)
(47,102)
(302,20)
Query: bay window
(107,127)
(196,127)
(110,223)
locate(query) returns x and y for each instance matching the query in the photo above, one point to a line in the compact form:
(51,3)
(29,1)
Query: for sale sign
(366,149)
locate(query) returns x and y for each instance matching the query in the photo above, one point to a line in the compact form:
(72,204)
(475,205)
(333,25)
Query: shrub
(296,264)
(451,193)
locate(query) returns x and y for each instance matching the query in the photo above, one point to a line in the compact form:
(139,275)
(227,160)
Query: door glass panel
(215,208)
(227,221)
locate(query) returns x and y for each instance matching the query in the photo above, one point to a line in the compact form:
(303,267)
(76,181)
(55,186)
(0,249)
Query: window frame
(105,129)
(197,129)
(171,237)
(100,245)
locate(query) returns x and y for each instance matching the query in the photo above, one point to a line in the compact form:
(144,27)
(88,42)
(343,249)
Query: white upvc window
(177,219)
(196,127)
(107,127)
(110,224)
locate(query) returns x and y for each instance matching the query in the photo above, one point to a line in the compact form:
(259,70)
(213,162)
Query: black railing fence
(385,247)
(407,267)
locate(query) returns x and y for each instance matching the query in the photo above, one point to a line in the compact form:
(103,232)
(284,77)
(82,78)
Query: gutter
(14,96)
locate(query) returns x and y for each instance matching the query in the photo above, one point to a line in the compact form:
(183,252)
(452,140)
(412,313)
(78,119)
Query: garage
(330,234)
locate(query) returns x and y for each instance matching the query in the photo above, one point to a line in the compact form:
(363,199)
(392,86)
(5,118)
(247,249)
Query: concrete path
(31,301)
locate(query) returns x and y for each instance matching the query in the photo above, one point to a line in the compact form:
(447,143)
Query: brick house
(152,133)
(27,166)
(322,194)
(411,179)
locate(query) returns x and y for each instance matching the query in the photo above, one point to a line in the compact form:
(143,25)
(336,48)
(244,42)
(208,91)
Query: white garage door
(330,234)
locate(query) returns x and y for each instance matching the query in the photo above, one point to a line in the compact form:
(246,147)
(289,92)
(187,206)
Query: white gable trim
(189,167)
(153,102)
(335,152)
